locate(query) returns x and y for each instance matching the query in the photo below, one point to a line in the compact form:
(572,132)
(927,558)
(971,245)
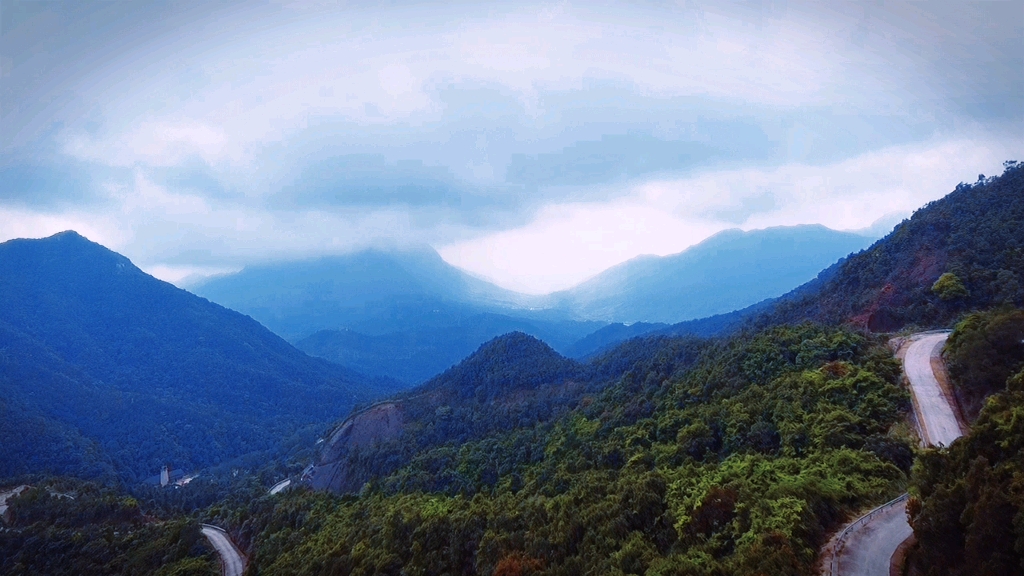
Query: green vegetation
(730,457)
(968,505)
(74,527)
(983,352)
(950,287)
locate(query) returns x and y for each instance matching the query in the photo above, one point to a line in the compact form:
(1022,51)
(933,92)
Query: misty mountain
(416,354)
(123,373)
(372,292)
(728,271)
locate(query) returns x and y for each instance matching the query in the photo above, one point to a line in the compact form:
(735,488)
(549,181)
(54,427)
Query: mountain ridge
(94,345)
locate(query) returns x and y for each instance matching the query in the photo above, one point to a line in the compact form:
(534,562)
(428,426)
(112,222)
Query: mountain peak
(509,362)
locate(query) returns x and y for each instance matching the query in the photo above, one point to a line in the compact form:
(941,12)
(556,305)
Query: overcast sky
(534,145)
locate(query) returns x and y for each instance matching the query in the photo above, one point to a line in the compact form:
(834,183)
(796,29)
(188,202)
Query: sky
(531,144)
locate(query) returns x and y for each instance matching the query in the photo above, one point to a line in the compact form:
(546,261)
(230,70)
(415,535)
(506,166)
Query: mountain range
(409,315)
(728,271)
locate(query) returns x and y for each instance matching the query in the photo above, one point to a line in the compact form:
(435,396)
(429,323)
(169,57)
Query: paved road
(231,560)
(868,547)
(280,486)
(938,423)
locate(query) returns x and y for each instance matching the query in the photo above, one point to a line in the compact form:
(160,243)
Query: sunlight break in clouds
(567,243)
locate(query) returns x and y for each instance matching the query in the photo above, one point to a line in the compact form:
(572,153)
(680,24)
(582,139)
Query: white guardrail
(841,539)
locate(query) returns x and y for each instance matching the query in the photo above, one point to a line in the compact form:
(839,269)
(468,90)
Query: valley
(308,288)
(736,443)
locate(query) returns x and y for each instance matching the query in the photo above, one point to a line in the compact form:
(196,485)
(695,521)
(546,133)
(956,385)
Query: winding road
(231,560)
(866,546)
(935,416)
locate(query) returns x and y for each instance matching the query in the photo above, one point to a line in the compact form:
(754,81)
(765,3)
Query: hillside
(511,380)
(975,233)
(728,271)
(126,372)
(664,455)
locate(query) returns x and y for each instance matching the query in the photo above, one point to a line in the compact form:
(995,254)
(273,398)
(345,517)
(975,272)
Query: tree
(949,287)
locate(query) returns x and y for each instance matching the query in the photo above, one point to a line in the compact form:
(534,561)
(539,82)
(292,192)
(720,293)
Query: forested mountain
(107,370)
(972,239)
(689,456)
(511,381)
(670,455)
(728,271)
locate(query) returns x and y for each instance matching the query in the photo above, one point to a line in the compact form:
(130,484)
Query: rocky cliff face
(379,423)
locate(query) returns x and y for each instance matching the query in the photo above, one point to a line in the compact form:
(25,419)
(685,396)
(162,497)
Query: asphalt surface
(231,560)
(868,548)
(938,424)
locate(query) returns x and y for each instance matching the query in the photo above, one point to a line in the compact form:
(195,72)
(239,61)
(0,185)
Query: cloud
(566,243)
(44,187)
(201,136)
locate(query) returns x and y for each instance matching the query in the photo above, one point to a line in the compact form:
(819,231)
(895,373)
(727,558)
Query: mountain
(510,380)
(372,292)
(407,314)
(664,455)
(124,372)
(610,335)
(973,238)
(728,271)
(403,313)
(413,356)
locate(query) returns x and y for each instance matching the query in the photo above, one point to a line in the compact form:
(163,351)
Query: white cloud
(153,142)
(567,243)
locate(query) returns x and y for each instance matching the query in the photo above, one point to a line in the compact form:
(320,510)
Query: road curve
(231,560)
(866,546)
(939,426)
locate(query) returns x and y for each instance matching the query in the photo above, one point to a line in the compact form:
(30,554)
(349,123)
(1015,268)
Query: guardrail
(841,539)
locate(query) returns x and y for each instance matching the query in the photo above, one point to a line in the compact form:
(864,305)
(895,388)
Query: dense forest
(65,526)
(701,457)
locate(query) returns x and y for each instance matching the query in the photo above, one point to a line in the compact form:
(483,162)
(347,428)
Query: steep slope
(975,233)
(372,292)
(729,271)
(143,372)
(511,380)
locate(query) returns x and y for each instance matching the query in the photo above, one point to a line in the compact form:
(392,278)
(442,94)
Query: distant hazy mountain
(372,292)
(415,354)
(105,369)
(728,271)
